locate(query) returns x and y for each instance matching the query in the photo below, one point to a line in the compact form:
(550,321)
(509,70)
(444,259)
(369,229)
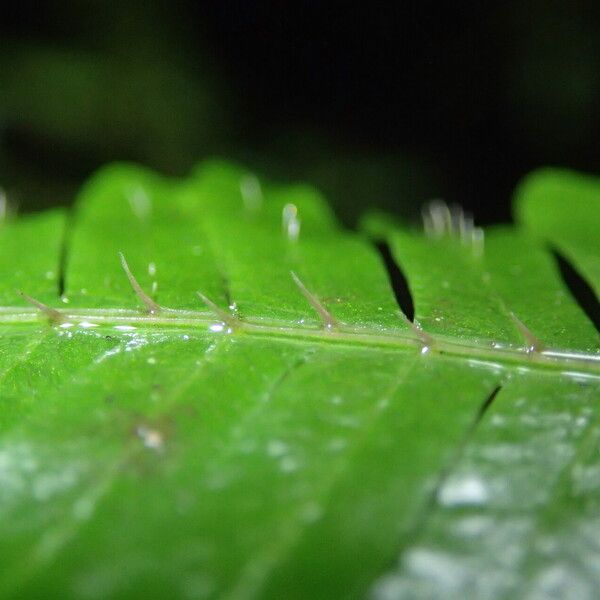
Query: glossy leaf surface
(287,442)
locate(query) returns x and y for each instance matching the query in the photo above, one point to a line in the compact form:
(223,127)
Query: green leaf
(563,208)
(291,435)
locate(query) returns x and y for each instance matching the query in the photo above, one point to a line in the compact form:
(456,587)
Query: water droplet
(151,438)
(464,491)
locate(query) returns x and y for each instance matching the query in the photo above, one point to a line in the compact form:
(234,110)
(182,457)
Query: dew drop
(151,438)
(464,491)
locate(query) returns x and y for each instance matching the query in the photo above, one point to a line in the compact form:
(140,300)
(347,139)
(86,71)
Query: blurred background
(378,105)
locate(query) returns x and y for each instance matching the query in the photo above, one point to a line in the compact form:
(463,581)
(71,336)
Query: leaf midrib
(570,363)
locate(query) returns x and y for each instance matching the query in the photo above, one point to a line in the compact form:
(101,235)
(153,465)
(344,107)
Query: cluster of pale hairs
(252,196)
(440,220)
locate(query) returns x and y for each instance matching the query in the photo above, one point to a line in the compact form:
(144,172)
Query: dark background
(378,105)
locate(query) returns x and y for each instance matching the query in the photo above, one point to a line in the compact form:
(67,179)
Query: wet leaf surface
(241,448)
